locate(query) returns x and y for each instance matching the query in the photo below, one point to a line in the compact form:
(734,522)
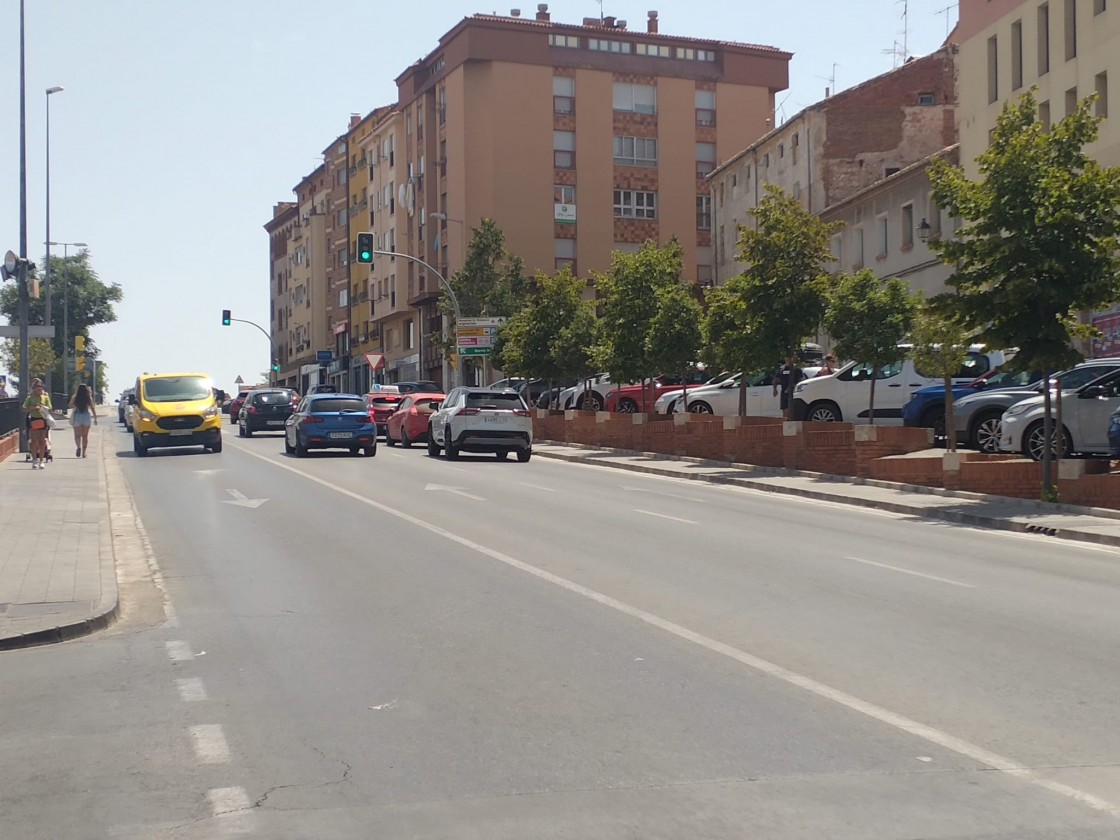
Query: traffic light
(225,318)
(365,247)
(275,367)
(79,352)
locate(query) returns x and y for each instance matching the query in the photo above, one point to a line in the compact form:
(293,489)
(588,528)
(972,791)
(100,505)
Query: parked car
(265,410)
(122,407)
(322,389)
(846,394)
(978,416)
(481,420)
(235,406)
(425,385)
(529,389)
(409,423)
(588,394)
(722,397)
(1085,415)
(671,401)
(330,421)
(630,399)
(926,408)
(381,403)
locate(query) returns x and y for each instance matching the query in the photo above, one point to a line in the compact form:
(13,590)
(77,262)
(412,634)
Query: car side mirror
(981,385)
(132,399)
(1092,392)
(116,402)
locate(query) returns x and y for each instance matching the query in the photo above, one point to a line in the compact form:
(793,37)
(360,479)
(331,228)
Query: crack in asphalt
(345,777)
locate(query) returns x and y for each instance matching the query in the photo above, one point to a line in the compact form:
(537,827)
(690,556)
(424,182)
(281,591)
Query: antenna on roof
(831,89)
(901,52)
(601,17)
(945,12)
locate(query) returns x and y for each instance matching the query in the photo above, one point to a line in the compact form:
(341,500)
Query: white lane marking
(666,516)
(232,810)
(210,745)
(179,651)
(457,469)
(241,500)
(396,455)
(169,614)
(808,684)
(662,493)
(191,690)
(457,491)
(537,487)
(911,572)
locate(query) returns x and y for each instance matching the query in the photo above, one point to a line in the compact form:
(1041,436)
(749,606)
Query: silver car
(978,416)
(1085,419)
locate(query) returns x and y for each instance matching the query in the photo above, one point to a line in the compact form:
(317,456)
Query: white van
(847,394)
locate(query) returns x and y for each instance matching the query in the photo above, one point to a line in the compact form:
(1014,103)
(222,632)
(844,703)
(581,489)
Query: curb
(955,517)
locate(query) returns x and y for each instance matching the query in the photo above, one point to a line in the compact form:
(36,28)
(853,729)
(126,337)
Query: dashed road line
(232,810)
(912,572)
(191,690)
(179,651)
(666,516)
(209,743)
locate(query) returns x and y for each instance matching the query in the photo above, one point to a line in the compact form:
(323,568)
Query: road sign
(11,261)
(475,336)
(324,357)
(35,331)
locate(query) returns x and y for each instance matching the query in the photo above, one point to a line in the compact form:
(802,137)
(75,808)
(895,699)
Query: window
(1044,114)
(882,222)
(564,149)
(340,177)
(635,151)
(565,253)
(601,45)
(656,50)
(690,54)
(343,298)
(340,219)
(1100,83)
(703,212)
(1100,6)
(409,334)
(837,248)
(705,158)
(993,69)
(704,276)
(563,94)
(563,194)
(907,226)
(569,41)
(1016,55)
(635,204)
(705,107)
(857,247)
(341,258)
(721,247)
(927,98)
(640,99)
(1043,39)
(933,216)
(1071,29)
(1071,101)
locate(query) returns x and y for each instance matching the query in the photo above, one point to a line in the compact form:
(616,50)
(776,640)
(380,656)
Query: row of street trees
(1035,251)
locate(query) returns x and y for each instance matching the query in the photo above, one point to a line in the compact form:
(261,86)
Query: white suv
(847,394)
(481,420)
(1085,420)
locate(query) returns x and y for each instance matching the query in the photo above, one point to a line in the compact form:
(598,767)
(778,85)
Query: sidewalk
(1093,525)
(57,574)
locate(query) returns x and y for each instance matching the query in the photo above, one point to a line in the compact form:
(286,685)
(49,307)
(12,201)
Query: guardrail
(10,416)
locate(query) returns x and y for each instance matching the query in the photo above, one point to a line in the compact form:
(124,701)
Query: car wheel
(823,412)
(406,442)
(985,433)
(502,454)
(590,402)
(232,420)
(217,447)
(1034,442)
(627,406)
(934,418)
(450,450)
(433,447)
(248,432)
(139,448)
(301,450)
(287,446)
(523,455)
(699,407)
(389,438)
(240,430)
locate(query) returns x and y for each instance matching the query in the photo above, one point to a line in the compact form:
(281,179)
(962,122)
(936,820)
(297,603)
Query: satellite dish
(410,198)
(402,194)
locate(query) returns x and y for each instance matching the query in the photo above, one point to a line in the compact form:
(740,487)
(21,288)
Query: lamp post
(24,298)
(66,246)
(47,257)
(924,231)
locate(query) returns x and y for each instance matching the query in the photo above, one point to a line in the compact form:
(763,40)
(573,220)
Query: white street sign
(35,331)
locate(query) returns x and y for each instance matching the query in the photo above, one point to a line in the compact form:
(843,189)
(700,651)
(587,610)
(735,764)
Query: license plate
(341,435)
(180,432)
(276,422)
(496,418)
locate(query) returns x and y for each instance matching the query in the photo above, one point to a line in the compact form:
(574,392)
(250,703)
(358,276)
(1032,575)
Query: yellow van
(175,409)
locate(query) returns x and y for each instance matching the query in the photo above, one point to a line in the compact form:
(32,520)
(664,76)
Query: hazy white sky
(181,123)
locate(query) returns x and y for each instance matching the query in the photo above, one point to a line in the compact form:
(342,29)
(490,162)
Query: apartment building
(840,146)
(280,228)
(1068,49)
(307,290)
(577,139)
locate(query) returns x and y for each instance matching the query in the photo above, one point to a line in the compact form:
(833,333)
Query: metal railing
(11,418)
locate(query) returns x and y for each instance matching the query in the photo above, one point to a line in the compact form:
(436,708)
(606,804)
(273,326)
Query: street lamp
(443,217)
(924,231)
(66,246)
(47,258)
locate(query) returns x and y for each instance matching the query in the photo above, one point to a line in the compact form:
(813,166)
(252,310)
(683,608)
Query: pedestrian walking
(786,380)
(37,406)
(829,367)
(84,415)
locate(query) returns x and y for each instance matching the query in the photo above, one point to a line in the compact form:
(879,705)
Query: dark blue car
(330,421)
(926,408)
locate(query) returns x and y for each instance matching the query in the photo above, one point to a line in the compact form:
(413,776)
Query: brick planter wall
(9,444)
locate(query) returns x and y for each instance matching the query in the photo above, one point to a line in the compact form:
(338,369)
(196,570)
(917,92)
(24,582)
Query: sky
(181,124)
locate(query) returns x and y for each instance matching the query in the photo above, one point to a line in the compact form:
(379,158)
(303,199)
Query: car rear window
(387,399)
(425,406)
(337,405)
(276,398)
(484,400)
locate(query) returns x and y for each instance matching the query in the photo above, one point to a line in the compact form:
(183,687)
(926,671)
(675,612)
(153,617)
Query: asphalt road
(402,647)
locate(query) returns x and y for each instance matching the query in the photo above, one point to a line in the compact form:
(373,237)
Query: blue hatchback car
(926,408)
(330,421)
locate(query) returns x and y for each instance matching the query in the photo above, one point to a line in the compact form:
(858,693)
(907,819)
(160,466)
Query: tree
(1038,242)
(629,302)
(675,335)
(761,316)
(40,355)
(941,348)
(89,302)
(868,318)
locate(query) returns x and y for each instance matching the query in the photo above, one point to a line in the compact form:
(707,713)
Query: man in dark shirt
(786,380)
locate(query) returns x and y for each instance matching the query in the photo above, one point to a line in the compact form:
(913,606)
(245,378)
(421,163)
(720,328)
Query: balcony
(421,291)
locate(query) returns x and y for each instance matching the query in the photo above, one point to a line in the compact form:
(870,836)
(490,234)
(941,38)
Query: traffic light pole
(271,359)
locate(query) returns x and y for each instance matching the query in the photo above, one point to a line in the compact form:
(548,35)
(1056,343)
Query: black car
(265,410)
(423,386)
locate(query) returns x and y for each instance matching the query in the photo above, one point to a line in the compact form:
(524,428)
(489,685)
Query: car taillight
(251,410)
(466,411)
(312,419)
(521,412)
(413,412)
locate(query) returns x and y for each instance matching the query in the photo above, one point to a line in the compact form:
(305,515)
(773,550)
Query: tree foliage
(675,335)
(491,282)
(1039,237)
(868,318)
(941,345)
(41,357)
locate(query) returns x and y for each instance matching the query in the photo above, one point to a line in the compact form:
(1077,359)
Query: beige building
(577,139)
(1068,49)
(307,290)
(839,147)
(281,228)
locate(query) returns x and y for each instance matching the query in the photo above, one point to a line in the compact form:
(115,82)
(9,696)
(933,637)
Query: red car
(235,406)
(381,404)
(628,398)
(409,423)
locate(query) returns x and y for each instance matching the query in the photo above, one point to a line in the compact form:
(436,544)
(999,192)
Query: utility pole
(24,297)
